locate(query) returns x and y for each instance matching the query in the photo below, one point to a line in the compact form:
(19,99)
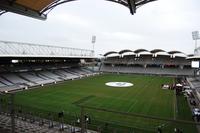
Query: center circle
(119,84)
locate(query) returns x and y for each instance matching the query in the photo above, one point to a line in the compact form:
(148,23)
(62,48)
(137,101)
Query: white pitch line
(132,106)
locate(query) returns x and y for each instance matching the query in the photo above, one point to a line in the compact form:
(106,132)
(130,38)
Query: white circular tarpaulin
(119,84)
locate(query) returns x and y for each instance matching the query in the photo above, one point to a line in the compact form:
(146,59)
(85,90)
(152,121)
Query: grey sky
(165,24)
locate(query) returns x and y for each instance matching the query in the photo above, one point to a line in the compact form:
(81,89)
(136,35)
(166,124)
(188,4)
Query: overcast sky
(165,24)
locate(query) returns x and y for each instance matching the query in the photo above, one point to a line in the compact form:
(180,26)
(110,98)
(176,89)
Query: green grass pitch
(145,97)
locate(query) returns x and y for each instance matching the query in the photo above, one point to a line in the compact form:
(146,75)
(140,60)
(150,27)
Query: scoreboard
(195,64)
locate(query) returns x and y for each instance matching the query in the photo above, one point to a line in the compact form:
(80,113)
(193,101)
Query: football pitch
(146,97)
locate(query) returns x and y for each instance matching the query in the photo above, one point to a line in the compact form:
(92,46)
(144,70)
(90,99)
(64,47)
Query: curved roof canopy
(157,50)
(109,53)
(190,55)
(40,8)
(175,52)
(147,53)
(140,50)
(125,51)
(193,58)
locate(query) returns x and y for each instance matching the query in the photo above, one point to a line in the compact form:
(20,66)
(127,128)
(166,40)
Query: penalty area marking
(119,84)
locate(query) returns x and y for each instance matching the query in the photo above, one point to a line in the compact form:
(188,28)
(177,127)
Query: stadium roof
(109,53)
(125,51)
(175,52)
(154,51)
(27,50)
(193,58)
(145,53)
(190,55)
(40,8)
(140,50)
(157,50)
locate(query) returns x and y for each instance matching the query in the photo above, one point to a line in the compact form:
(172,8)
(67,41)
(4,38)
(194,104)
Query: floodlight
(195,35)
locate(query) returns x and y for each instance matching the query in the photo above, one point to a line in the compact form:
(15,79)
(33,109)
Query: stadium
(56,89)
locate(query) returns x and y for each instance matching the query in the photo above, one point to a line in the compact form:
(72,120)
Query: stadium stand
(5,82)
(28,67)
(142,61)
(35,79)
(150,70)
(34,125)
(13,78)
(24,80)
